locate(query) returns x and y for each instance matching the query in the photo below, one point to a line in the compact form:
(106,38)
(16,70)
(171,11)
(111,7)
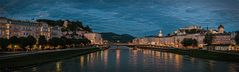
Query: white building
(95,38)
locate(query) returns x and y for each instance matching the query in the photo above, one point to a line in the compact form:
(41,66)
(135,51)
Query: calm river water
(128,60)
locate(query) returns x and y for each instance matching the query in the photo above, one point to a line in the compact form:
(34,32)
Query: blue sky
(135,17)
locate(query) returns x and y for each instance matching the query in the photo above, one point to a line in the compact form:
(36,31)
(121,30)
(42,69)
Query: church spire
(160,33)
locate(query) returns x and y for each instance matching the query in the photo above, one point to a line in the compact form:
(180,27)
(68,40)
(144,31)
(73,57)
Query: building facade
(19,28)
(56,31)
(45,30)
(95,38)
(221,40)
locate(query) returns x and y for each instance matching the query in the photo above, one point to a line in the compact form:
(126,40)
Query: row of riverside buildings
(22,28)
(221,40)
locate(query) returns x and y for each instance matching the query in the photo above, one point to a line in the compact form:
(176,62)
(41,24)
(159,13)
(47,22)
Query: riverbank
(200,54)
(29,59)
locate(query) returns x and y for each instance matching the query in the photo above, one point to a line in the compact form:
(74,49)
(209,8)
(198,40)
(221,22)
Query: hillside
(113,37)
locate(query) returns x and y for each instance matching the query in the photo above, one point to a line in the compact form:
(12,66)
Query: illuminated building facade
(95,38)
(194,32)
(19,28)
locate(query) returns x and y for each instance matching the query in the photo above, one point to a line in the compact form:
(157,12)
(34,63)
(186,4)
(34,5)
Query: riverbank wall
(213,55)
(13,63)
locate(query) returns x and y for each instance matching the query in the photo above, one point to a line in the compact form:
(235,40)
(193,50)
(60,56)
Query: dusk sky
(135,17)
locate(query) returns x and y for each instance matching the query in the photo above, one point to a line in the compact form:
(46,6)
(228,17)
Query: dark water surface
(128,60)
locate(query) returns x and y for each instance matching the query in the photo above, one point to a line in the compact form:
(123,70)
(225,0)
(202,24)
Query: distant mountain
(113,37)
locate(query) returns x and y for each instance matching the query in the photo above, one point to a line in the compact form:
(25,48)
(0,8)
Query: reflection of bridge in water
(135,46)
(121,44)
(114,44)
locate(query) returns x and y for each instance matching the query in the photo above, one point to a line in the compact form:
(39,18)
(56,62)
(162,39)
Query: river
(126,59)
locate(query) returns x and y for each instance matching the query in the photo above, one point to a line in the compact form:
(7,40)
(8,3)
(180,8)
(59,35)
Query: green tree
(86,41)
(69,42)
(4,42)
(74,41)
(72,27)
(63,42)
(237,38)
(42,41)
(192,31)
(189,42)
(87,28)
(31,41)
(79,41)
(14,41)
(54,41)
(64,30)
(208,39)
(79,24)
(194,42)
(23,43)
(51,22)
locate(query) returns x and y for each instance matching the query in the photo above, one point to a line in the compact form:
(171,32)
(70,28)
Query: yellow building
(20,28)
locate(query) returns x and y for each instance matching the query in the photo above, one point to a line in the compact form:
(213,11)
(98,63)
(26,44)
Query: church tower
(160,34)
(220,29)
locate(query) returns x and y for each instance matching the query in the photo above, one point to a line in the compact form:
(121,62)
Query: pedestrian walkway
(24,53)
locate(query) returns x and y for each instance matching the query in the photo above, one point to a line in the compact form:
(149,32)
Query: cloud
(139,18)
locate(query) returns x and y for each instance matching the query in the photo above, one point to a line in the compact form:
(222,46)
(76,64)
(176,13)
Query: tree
(87,28)
(194,42)
(31,41)
(73,27)
(79,41)
(79,24)
(63,42)
(42,41)
(237,38)
(51,22)
(74,41)
(86,41)
(23,42)
(192,31)
(69,41)
(189,42)
(55,41)
(208,39)
(4,42)
(14,41)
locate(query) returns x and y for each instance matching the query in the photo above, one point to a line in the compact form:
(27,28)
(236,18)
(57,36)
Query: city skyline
(119,36)
(138,18)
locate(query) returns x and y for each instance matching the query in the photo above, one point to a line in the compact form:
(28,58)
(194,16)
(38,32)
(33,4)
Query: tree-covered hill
(72,25)
(113,37)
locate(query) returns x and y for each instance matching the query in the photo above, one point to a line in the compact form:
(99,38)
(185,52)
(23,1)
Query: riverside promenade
(198,53)
(24,59)
(166,48)
(7,55)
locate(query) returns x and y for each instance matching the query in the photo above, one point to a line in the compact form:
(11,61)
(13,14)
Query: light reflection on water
(129,60)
